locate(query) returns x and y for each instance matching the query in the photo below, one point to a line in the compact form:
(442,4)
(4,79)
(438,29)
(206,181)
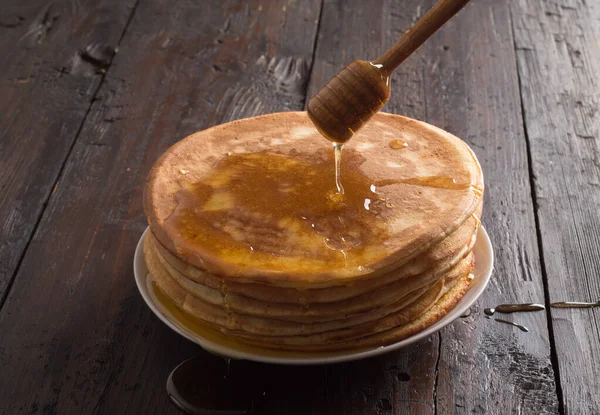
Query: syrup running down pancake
(250,236)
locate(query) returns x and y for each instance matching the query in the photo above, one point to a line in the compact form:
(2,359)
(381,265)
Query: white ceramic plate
(484,263)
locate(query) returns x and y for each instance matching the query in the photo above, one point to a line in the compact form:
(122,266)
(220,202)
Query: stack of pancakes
(269,277)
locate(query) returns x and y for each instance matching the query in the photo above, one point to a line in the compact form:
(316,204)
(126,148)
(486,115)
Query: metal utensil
(574,304)
(513,308)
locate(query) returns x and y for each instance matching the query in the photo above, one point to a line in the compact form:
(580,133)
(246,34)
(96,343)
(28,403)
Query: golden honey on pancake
(250,236)
(255,207)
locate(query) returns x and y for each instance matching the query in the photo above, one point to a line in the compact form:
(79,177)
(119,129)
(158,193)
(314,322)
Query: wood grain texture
(558,54)
(53,55)
(429,23)
(76,335)
(486,367)
(373,386)
(464,80)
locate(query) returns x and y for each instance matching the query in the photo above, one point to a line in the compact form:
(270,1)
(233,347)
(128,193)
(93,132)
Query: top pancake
(420,195)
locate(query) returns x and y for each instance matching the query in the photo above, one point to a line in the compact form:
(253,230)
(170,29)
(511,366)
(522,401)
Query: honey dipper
(362,88)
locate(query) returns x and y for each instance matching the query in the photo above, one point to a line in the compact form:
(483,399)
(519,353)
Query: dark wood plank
(487,367)
(464,79)
(559,61)
(48,81)
(76,335)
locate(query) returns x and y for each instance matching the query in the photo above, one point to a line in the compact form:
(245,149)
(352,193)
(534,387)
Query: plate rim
(482,243)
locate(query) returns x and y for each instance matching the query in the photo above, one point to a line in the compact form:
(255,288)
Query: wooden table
(80,129)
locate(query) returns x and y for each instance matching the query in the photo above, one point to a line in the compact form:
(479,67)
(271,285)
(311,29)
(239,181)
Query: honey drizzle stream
(337,149)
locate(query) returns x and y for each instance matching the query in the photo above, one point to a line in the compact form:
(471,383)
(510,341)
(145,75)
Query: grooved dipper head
(349,100)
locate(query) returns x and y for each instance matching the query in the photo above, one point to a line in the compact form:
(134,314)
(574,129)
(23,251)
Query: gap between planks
(534,201)
(314,53)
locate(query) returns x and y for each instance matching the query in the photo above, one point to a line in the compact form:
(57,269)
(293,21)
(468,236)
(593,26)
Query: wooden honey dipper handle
(414,37)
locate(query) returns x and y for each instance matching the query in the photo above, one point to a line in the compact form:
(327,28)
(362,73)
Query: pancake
(425,193)
(304,312)
(433,312)
(436,260)
(237,324)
